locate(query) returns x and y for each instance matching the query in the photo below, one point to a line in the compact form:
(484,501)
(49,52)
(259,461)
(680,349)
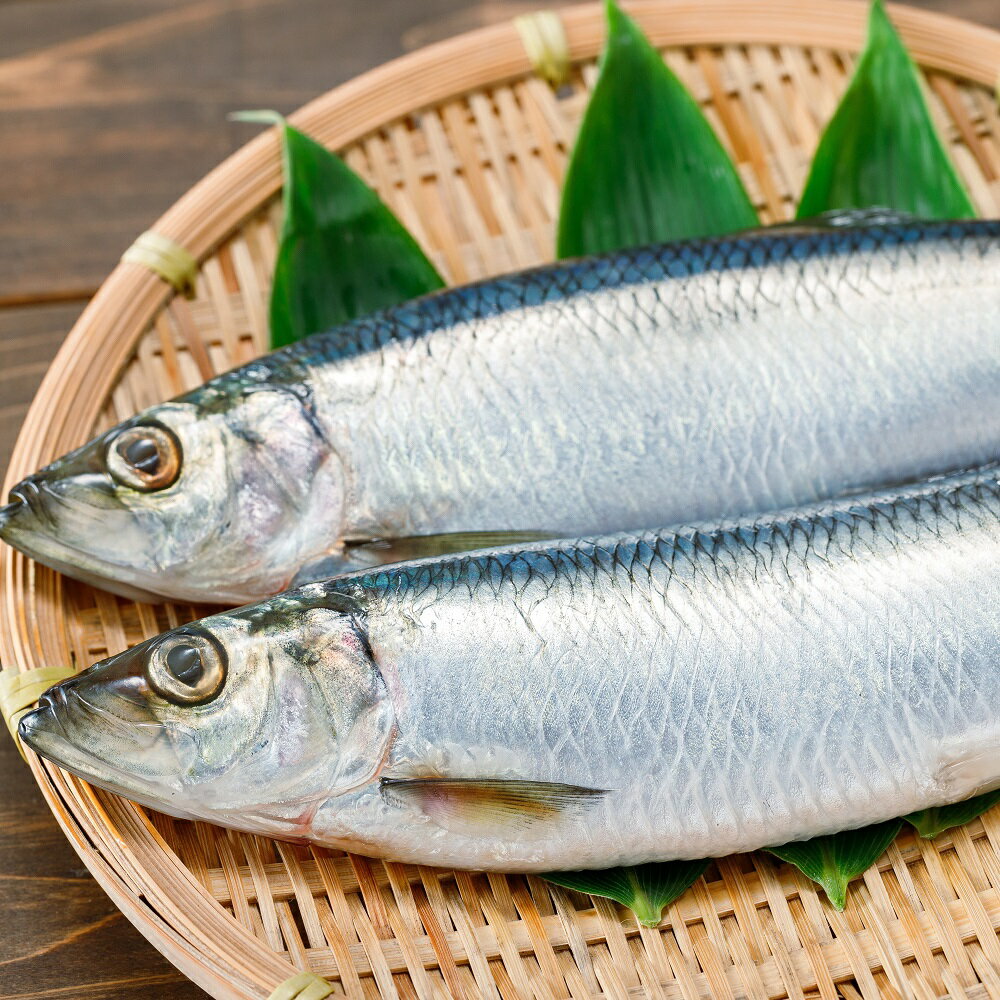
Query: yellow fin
(480,807)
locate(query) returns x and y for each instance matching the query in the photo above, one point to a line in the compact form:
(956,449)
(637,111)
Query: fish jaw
(27,526)
(108,726)
(56,730)
(75,517)
(46,732)
(30,527)
(35,546)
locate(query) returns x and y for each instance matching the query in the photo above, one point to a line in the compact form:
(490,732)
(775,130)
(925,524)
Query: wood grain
(29,337)
(109,110)
(120,107)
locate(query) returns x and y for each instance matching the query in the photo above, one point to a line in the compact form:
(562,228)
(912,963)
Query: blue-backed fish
(690,381)
(630,698)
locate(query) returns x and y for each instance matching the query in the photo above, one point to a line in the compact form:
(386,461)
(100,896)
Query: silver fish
(686,382)
(582,704)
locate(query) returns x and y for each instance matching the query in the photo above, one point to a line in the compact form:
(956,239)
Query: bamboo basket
(468,146)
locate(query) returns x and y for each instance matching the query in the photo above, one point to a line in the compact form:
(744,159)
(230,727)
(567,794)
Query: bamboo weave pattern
(476,178)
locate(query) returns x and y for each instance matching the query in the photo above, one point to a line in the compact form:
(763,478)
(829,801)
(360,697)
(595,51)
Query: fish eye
(144,458)
(186,668)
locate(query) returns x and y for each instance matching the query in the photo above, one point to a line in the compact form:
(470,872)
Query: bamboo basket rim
(105,336)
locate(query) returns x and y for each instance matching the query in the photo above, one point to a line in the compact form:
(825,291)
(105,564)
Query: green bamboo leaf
(343,254)
(647,166)
(881,147)
(647,890)
(931,822)
(834,860)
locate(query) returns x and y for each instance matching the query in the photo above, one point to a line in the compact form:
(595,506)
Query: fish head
(251,719)
(217,496)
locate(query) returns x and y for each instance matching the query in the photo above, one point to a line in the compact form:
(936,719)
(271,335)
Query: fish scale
(680,693)
(782,697)
(512,367)
(686,382)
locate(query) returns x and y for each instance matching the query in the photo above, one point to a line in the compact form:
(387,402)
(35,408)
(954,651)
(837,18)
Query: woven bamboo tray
(468,147)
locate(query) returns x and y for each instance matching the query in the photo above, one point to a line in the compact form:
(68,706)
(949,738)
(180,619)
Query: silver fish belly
(746,376)
(675,694)
(678,383)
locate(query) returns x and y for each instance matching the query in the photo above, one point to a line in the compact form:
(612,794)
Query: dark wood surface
(109,111)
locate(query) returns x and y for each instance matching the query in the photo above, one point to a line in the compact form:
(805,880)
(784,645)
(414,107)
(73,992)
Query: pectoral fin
(477,808)
(355,555)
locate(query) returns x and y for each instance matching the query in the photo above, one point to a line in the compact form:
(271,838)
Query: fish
(691,381)
(630,698)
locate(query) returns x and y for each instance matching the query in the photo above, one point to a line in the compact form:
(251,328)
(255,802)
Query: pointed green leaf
(834,860)
(343,253)
(645,889)
(881,147)
(647,165)
(931,822)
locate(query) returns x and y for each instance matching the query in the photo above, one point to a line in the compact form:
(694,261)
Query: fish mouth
(56,729)
(42,730)
(8,514)
(28,525)
(22,507)
(25,498)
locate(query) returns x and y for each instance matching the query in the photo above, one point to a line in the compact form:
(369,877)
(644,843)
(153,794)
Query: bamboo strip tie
(302,986)
(166,258)
(545,41)
(20,690)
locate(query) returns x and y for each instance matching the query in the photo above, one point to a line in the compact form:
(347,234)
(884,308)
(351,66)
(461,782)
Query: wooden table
(109,111)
